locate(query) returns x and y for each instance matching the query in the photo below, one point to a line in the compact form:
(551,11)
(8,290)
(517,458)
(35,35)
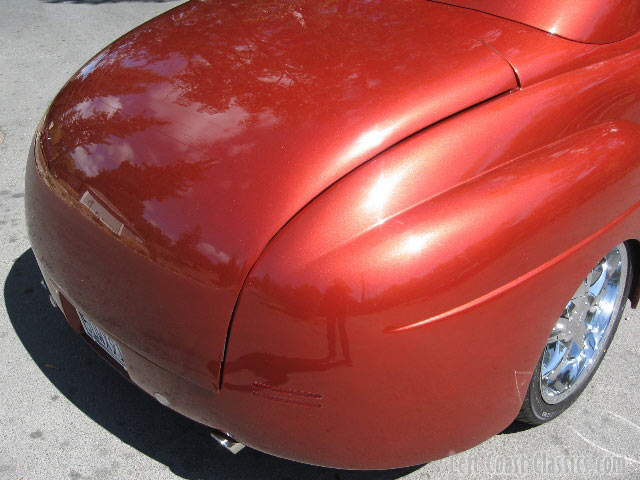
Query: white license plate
(102,338)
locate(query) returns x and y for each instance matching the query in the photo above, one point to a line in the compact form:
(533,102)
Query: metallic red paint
(269,161)
(203,141)
(589,21)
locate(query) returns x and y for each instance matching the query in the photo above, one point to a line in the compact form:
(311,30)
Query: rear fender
(482,235)
(449,300)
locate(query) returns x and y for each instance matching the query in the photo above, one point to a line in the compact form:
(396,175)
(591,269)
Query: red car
(362,234)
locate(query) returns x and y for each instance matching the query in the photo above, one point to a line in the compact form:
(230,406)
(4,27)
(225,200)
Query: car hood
(198,135)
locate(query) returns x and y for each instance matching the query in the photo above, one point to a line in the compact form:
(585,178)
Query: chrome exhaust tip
(52,301)
(43,284)
(227,441)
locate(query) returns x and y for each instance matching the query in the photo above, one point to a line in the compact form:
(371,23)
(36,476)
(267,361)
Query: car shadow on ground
(124,410)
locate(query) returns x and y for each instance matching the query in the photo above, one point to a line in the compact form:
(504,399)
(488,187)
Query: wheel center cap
(577,325)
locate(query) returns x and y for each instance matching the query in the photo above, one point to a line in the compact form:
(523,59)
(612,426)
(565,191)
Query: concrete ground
(65,414)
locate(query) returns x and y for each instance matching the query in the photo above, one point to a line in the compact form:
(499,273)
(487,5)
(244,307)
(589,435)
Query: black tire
(535,410)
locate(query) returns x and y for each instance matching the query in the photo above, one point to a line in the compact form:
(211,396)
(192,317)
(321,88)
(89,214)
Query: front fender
(374,312)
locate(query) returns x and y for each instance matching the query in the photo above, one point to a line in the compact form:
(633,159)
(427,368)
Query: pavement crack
(595,445)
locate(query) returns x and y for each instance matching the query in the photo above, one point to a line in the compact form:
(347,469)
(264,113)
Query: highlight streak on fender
(517,281)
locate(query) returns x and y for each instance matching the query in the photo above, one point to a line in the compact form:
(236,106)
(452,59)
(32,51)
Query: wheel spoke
(556,356)
(574,371)
(597,289)
(590,341)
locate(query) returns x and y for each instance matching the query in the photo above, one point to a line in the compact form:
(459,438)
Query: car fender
(422,317)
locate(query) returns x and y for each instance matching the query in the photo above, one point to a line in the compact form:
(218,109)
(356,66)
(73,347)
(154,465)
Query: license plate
(102,338)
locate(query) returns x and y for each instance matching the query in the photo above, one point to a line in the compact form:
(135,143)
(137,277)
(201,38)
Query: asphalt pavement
(64,414)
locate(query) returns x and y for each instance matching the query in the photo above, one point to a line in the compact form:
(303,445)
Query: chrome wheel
(580,336)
